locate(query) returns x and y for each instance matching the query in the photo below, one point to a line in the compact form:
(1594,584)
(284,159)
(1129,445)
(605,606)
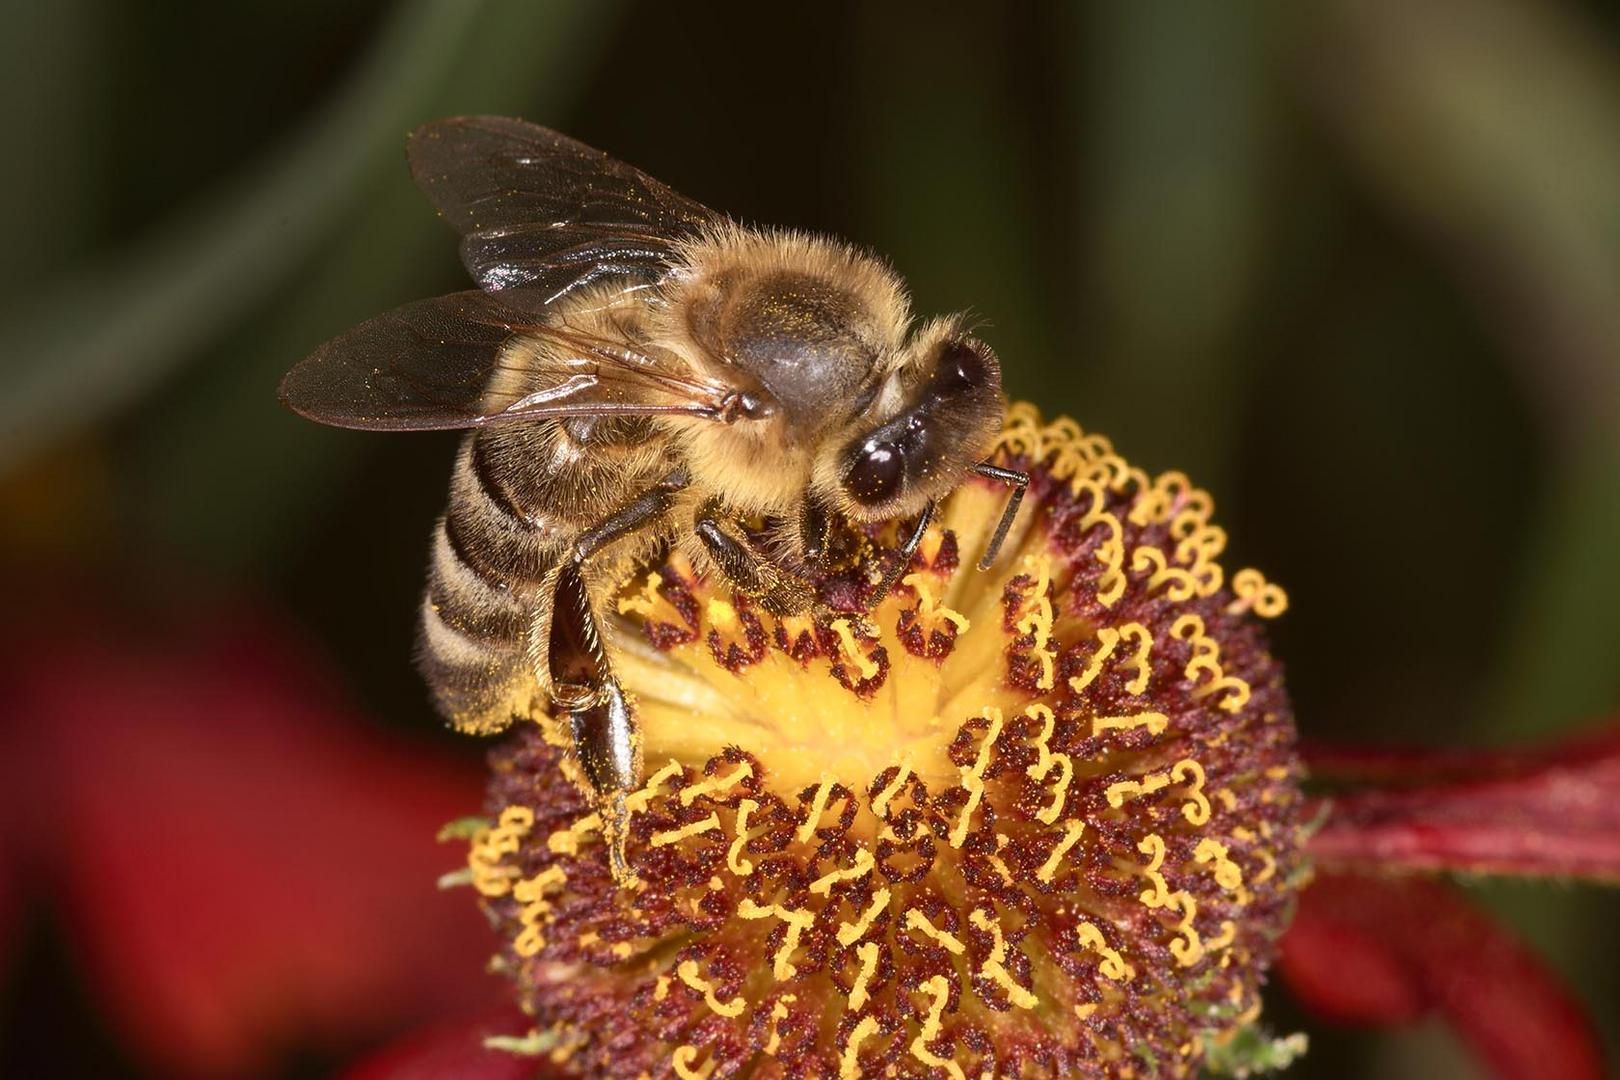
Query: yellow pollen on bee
(868,954)
(1113,965)
(916,920)
(930,608)
(688,973)
(994,967)
(675,836)
(1072,829)
(822,886)
(940,988)
(798,921)
(691,792)
(849,1065)
(851,647)
(734,861)
(818,806)
(681,1061)
(880,805)
(850,933)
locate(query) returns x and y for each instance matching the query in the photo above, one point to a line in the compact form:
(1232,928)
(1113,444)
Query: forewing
(437,364)
(542,214)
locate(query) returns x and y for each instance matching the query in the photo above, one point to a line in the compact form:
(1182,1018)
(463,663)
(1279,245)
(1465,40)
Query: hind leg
(601,722)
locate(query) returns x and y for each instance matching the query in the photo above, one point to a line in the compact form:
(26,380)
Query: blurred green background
(1353,264)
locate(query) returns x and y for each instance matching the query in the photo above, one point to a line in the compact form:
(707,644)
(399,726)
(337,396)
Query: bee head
(932,422)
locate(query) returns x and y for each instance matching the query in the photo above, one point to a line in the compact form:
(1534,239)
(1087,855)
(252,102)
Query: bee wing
(541,214)
(435,364)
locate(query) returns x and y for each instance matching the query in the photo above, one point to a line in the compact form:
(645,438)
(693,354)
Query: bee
(637,371)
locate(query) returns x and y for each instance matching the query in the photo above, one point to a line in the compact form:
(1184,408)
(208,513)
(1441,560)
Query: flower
(1040,821)
(244,864)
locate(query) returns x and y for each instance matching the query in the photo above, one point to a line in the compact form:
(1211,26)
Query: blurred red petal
(246,865)
(456,1050)
(1555,814)
(1391,766)
(1369,951)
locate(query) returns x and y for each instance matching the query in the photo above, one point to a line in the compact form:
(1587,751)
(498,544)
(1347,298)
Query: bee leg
(750,573)
(815,530)
(902,557)
(600,720)
(1018,482)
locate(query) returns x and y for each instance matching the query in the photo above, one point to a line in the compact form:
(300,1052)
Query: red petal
(1557,814)
(457,1050)
(1409,766)
(246,864)
(1372,951)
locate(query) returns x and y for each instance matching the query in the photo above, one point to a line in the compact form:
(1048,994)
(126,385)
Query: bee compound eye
(875,473)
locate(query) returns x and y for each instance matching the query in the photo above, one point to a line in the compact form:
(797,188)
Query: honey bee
(637,371)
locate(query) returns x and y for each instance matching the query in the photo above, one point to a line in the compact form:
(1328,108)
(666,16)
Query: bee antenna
(1018,482)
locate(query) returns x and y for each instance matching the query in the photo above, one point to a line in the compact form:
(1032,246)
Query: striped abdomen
(520,495)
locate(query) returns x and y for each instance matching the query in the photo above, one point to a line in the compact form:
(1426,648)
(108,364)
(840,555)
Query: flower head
(1039,821)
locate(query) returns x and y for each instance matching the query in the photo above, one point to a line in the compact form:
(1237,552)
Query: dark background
(1353,264)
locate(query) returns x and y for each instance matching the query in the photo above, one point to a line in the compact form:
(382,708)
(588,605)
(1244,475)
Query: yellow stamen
(916,920)
(940,988)
(688,972)
(691,792)
(1071,836)
(849,1066)
(734,860)
(868,954)
(675,836)
(850,933)
(852,649)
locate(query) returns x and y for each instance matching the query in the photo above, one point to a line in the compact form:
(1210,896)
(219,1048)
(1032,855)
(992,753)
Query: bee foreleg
(780,591)
(1018,482)
(902,556)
